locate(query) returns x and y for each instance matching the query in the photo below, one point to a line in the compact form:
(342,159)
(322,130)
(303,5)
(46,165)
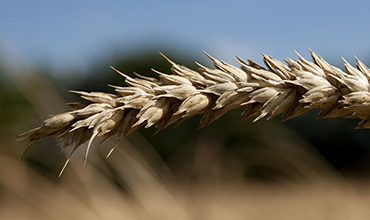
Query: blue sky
(73,32)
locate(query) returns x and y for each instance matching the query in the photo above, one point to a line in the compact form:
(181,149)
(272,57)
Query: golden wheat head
(292,88)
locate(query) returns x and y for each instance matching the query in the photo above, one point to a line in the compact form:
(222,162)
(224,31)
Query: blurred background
(300,169)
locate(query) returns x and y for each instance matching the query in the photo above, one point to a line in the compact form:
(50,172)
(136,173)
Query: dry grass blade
(293,89)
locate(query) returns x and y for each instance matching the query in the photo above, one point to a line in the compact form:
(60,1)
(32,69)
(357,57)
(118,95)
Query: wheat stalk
(292,89)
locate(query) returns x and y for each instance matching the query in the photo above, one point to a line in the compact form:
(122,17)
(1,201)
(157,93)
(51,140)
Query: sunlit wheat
(292,89)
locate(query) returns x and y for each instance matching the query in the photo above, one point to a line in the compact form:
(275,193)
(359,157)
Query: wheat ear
(293,89)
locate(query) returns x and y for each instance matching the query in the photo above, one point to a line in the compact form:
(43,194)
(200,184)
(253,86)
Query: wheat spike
(292,89)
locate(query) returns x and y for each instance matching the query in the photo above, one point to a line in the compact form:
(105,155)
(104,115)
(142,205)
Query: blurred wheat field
(129,187)
(229,170)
